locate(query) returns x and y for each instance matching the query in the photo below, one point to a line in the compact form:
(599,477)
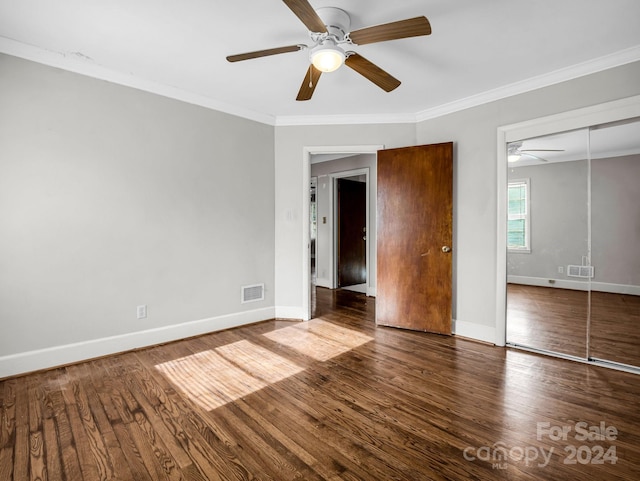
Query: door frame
(307,152)
(616,110)
(333,208)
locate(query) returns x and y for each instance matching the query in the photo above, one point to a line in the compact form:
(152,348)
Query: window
(518,233)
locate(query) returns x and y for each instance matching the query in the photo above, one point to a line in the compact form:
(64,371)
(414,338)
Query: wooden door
(352,221)
(415,191)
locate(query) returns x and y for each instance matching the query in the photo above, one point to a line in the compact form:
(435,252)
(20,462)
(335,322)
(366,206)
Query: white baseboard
(323,282)
(371,291)
(475,331)
(360,288)
(21,363)
(544,282)
(290,312)
(615,288)
(575,285)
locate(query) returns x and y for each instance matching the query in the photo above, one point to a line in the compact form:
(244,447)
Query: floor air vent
(580,271)
(252,293)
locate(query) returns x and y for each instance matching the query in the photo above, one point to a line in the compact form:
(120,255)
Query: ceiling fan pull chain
(310,78)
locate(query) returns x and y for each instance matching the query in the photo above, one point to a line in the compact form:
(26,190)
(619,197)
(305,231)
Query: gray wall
(559,219)
(615,238)
(112,198)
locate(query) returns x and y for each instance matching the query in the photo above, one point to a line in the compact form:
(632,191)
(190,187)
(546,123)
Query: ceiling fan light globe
(513,157)
(327,58)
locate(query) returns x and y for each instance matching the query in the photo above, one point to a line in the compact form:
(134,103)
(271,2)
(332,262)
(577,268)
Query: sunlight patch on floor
(319,339)
(227,373)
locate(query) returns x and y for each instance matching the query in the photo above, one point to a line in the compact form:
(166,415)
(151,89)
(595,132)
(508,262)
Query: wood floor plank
(335,398)
(37,461)
(6,463)
(8,414)
(135,462)
(65,441)
(21,452)
(52,449)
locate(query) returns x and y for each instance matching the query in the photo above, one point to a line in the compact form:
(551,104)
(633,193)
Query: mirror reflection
(615,243)
(573,262)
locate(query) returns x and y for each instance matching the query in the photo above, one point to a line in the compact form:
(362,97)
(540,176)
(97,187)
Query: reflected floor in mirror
(555,320)
(335,398)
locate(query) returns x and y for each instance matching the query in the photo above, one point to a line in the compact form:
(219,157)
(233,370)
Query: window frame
(526,249)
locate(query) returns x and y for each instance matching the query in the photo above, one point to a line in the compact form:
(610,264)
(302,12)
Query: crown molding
(616,59)
(288,121)
(78,64)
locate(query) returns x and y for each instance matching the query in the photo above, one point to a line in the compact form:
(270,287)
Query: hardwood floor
(548,318)
(332,399)
(556,320)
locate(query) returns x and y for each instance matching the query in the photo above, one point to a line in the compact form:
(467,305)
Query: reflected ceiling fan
(331,43)
(515,152)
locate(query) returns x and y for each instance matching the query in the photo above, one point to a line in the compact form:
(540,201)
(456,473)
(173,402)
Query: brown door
(414,238)
(352,221)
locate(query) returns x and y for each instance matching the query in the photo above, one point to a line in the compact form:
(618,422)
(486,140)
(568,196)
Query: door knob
(446,249)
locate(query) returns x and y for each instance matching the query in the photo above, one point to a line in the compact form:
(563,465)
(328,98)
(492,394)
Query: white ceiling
(478,51)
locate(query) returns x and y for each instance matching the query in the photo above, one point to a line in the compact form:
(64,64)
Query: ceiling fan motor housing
(337,21)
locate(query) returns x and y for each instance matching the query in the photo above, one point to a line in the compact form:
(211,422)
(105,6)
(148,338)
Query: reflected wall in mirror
(615,243)
(573,261)
(547,309)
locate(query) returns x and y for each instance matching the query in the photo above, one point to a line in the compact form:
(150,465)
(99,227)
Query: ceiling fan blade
(533,156)
(541,150)
(264,53)
(412,27)
(305,12)
(372,72)
(309,83)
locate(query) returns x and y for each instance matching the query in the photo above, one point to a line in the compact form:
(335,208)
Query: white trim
(323,282)
(501,241)
(307,152)
(360,119)
(290,312)
(616,59)
(74,64)
(575,119)
(24,362)
(527,216)
(615,288)
(614,111)
(475,331)
(545,282)
(575,285)
(360,288)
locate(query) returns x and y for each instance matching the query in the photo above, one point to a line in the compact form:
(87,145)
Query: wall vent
(252,293)
(580,271)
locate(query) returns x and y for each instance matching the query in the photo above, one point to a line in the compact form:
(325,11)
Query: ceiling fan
(515,152)
(331,43)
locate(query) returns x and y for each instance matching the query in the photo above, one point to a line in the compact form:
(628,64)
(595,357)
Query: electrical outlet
(560,269)
(142,312)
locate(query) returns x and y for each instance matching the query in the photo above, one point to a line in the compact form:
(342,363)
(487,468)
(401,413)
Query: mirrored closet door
(573,243)
(615,243)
